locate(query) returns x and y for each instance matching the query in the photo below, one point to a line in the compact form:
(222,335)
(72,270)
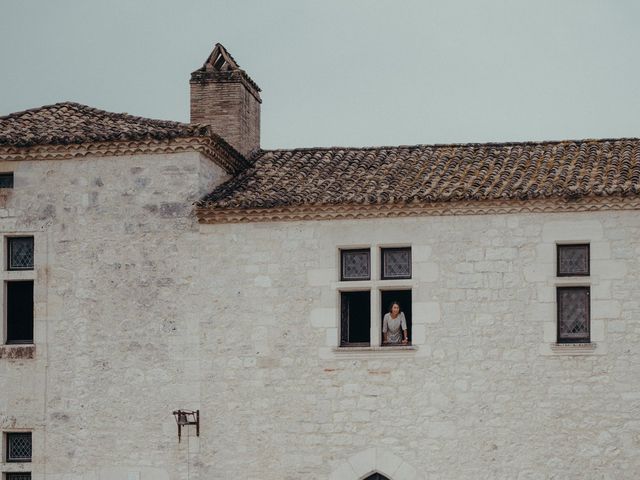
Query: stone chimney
(225,97)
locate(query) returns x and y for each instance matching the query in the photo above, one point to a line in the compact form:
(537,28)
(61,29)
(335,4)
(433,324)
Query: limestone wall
(116,337)
(485,395)
(140,311)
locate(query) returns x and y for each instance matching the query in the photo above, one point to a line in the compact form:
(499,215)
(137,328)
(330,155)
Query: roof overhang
(208,215)
(210,146)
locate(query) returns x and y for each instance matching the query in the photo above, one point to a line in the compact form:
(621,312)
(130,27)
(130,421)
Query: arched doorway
(376,476)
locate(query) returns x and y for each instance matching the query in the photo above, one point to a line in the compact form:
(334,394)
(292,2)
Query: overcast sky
(343,72)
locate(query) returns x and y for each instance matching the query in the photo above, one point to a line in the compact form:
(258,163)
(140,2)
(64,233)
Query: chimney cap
(220,65)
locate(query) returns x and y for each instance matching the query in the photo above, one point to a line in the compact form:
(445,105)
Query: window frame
(343,251)
(569,340)
(383,250)
(7,439)
(7,339)
(10,239)
(347,343)
(7,176)
(560,246)
(17,476)
(375,285)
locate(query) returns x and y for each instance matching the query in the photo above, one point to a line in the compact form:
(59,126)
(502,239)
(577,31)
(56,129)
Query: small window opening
(573,260)
(6,180)
(20,253)
(355,264)
(396,263)
(18,447)
(387,298)
(19,301)
(355,318)
(18,476)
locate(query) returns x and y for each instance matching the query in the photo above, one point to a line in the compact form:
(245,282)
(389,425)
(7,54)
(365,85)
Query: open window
(387,298)
(355,319)
(19,311)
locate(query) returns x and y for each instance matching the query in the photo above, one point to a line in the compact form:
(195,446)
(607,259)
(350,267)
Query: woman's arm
(385,327)
(405,335)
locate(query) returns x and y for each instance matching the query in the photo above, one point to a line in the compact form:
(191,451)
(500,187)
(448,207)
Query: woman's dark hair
(395,302)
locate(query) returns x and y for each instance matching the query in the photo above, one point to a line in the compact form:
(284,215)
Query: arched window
(376,476)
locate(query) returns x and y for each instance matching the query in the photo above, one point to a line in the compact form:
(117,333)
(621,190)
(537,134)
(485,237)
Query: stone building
(154,266)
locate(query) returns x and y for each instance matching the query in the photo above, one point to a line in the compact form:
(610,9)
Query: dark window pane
(19,447)
(403,297)
(20,312)
(355,265)
(18,476)
(396,263)
(376,476)
(355,321)
(20,253)
(573,260)
(573,314)
(6,180)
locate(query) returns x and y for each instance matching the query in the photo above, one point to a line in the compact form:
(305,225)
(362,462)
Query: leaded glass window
(19,447)
(396,263)
(18,476)
(356,264)
(573,315)
(20,253)
(573,260)
(6,180)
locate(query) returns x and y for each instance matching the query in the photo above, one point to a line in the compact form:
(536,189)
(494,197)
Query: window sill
(374,351)
(574,349)
(17,351)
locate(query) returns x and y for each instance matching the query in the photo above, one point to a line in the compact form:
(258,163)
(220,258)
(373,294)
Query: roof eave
(211,146)
(214,215)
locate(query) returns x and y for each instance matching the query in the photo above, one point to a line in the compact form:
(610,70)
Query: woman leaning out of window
(394,326)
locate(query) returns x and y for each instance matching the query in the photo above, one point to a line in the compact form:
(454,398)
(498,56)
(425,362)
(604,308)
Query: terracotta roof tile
(433,173)
(70,123)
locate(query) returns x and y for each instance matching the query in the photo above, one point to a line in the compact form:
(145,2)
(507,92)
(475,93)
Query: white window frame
(375,286)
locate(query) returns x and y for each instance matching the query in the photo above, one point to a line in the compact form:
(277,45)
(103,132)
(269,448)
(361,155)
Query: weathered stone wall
(140,311)
(116,337)
(484,395)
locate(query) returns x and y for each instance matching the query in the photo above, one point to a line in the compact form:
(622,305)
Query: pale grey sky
(343,72)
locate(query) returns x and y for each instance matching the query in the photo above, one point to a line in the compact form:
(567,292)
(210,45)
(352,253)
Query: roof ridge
(89,109)
(449,145)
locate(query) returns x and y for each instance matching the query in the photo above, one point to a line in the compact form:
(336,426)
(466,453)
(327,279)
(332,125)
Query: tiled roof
(432,173)
(72,123)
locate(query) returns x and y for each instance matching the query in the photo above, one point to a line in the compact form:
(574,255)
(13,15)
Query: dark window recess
(355,264)
(573,315)
(20,253)
(20,312)
(403,297)
(355,319)
(396,263)
(573,260)
(19,447)
(6,180)
(376,476)
(18,476)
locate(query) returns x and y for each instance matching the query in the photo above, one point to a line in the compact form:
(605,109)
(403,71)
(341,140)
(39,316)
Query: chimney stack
(225,97)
